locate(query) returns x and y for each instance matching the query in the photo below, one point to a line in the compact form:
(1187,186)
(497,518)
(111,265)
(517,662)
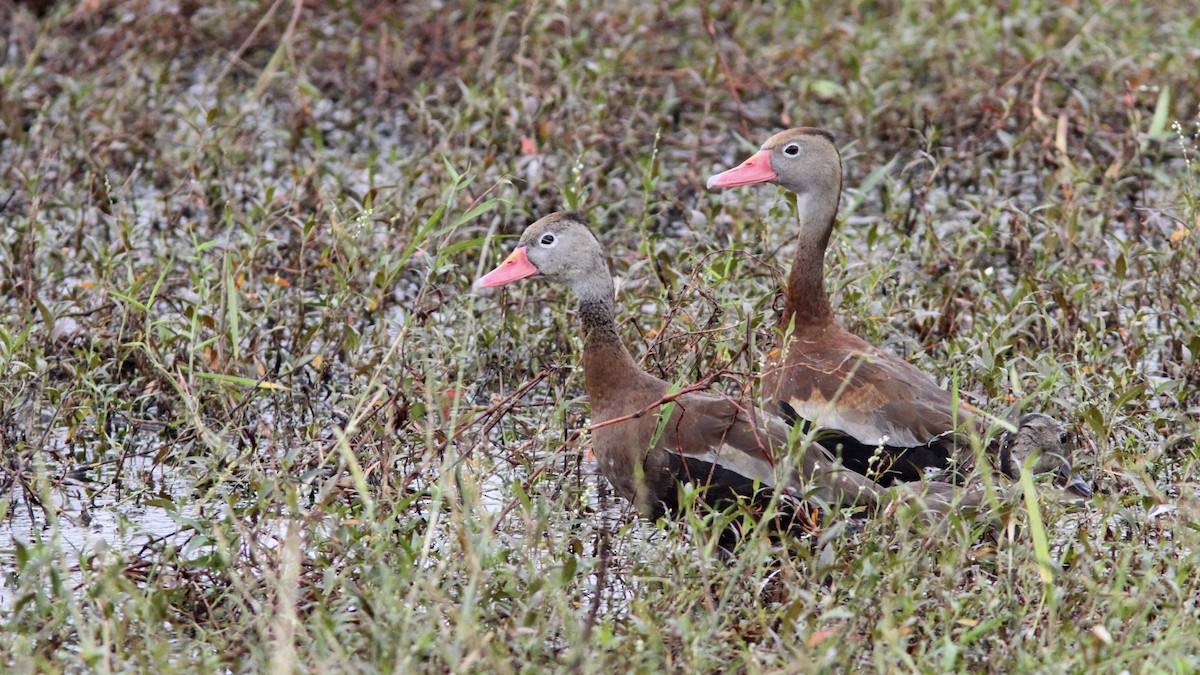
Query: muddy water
(88,521)
(96,515)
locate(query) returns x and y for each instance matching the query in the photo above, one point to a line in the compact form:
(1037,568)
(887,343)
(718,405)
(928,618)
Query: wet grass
(251,418)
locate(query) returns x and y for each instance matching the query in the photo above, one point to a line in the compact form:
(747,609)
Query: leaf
(422,232)
(1162,109)
(127,299)
(1041,546)
(522,496)
(13,343)
(475,212)
(1095,420)
(189,523)
(1128,395)
(866,187)
(826,88)
(985,628)
(454,175)
(570,567)
(241,381)
(356,473)
(159,282)
(232,309)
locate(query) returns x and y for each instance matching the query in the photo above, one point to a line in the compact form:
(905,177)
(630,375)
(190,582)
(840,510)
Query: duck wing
(743,445)
(876,411)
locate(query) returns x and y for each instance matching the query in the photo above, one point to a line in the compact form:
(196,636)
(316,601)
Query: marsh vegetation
(251,416)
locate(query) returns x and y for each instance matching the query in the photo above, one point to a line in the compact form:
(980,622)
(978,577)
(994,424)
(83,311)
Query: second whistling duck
(890,420)
(1045,444)
(736,451)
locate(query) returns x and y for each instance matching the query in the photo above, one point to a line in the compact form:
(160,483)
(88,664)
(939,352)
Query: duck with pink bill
(881,415)
(738,453)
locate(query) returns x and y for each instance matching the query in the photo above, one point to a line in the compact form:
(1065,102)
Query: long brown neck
(807,301)
(608,368)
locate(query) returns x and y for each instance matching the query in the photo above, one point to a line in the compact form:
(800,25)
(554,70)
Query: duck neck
(608,368)
(807,301)
(1001,454)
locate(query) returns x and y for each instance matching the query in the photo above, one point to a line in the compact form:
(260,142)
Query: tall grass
(252,418)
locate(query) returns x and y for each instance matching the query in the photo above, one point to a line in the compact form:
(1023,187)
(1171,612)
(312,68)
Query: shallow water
(92,518)
(107,525)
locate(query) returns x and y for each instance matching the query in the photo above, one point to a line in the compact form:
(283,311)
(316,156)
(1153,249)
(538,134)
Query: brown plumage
(739,452)
(889,419)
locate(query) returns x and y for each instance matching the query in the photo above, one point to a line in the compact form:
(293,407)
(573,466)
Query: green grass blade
(1162,114)
(1041,544)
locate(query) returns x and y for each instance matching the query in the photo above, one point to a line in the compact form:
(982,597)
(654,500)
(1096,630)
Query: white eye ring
(791,149)
(548,240)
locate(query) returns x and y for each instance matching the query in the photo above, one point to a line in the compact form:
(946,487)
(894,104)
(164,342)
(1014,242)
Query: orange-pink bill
(515,266)
(756,169)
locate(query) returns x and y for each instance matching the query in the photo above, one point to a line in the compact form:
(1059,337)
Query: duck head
(1046,445)
(560,248)
(803,160)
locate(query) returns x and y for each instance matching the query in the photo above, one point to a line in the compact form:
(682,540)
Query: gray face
(1048,446)
(1045,440)
(564,250)
(805,162)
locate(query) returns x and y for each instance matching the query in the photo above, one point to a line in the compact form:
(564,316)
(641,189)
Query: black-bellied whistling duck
(1048,443)
(738,452)
(891,420)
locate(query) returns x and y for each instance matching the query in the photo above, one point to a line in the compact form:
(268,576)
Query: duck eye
(1064,437)
(547,240)
(792,149)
